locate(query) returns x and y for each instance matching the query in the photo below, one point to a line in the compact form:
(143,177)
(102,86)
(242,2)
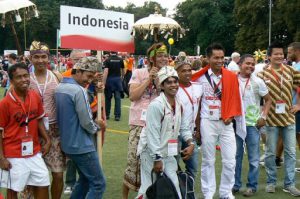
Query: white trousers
(211,132)
(169,166)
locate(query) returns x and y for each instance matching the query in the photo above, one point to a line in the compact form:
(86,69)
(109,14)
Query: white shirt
(190,110)
(258,68)
(251,95)
(161,126)
(232,66)
(208,97)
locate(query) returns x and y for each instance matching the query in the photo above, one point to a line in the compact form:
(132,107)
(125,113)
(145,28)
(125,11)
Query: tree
(42,28)
(207,21)
(252,17)
(148,8)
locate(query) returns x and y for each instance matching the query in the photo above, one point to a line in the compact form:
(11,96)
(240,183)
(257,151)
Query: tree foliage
(238,24)
(148,8)
(252,17)
(207,21)
(42,28)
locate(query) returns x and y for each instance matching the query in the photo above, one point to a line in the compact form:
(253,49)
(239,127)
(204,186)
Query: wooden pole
(99,114)
(15,35)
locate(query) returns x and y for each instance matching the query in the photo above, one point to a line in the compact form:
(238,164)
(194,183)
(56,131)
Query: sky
(169,4)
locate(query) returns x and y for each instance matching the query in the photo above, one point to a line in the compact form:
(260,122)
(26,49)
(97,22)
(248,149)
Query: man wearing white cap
(233,66)
(158,144)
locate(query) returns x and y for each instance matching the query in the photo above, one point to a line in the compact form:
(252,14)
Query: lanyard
(24,109)
(190,99)
(215,87)
(277,78)
(244,91)
(42,93)
(188,95)
(173,117)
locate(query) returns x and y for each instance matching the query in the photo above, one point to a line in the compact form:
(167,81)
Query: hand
(5,164)
(153,73)
(188,152)
(102,124)
(158,166)
(295,108)
(99,77)
(46,147)
(99,87)
(228,121)
(260,122)
(197,137)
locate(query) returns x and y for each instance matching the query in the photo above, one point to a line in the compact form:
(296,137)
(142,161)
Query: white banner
(7,52)
(96,29)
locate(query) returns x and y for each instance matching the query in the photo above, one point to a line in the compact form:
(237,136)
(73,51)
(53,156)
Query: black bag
(186,184)
(162,188)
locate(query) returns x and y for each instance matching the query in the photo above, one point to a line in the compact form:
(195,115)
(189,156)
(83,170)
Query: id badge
(46,122)
(172,147)
(214,113)
(143,115)
(280,107)
(27,146)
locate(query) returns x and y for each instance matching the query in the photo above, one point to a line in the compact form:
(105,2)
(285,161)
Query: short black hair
(242,59)
(13,56)
(275,44)
(214,46)
(14,67)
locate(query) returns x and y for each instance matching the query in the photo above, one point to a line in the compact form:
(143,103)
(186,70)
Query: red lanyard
(24,108)
(248,80)
(276,76)
(190,98)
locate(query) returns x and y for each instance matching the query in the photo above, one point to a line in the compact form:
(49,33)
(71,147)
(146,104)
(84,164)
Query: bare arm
(4,163)
(136,90)
(296,107)
(267,105)
(44,135)
(265,110)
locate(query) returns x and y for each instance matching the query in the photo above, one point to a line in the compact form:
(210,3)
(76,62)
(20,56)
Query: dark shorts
(297,117)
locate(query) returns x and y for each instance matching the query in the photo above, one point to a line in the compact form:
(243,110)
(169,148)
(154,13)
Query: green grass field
(114,162)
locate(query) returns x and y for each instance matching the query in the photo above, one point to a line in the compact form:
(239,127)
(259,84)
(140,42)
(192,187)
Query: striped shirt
(46,95)
(280,89)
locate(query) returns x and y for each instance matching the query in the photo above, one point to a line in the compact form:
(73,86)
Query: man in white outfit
(158,143)
(189,94)
(220,103)
(233,65)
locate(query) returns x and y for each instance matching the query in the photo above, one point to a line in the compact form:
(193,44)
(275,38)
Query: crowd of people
(180,107)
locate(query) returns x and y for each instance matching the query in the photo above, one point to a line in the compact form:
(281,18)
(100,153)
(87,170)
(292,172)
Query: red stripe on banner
(92,43)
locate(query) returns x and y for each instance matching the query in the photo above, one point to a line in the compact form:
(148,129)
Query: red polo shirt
(13,122)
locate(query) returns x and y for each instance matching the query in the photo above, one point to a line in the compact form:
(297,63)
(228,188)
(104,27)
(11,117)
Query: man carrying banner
(77,129)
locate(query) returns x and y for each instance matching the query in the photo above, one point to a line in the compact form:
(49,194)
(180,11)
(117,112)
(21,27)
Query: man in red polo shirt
(21,124)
